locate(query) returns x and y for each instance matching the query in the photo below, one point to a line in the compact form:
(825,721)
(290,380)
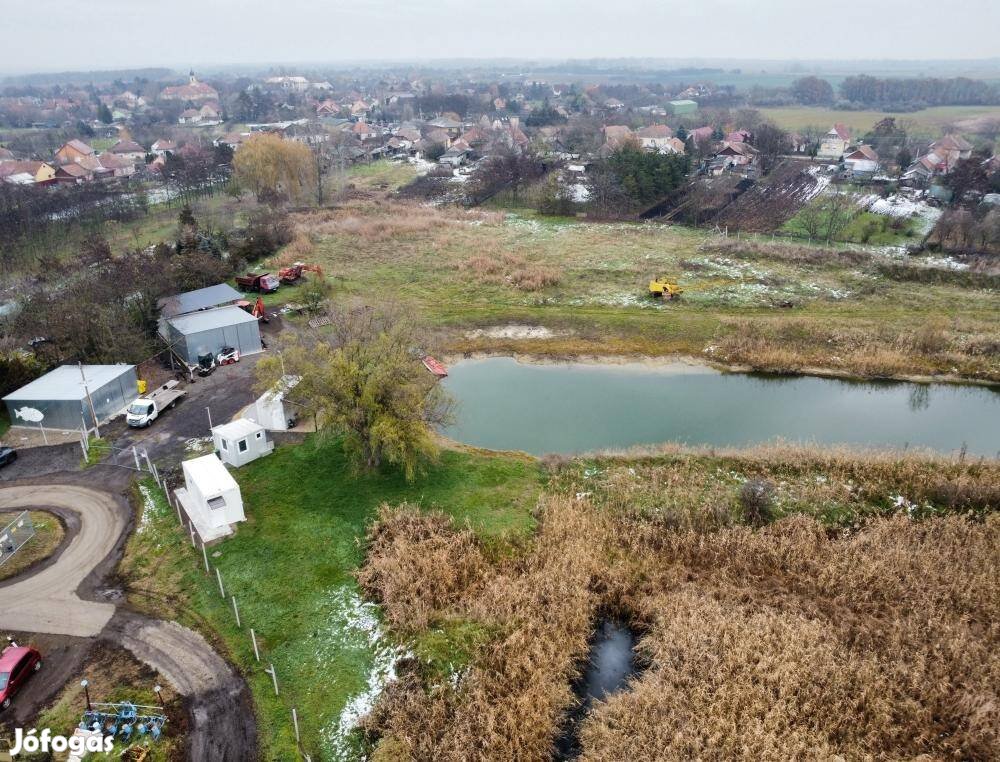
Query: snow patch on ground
(902,207)
(198,444)
(514,332)
(355,626)
(150,510)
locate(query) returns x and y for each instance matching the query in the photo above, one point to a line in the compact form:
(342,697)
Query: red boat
(435,367)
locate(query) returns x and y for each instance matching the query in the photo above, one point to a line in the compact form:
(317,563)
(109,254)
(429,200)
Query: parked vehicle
(7,456)
(206,364)
(293,272)
(143,411)
(17,664)
(255,308)
(228,356)
(263,283)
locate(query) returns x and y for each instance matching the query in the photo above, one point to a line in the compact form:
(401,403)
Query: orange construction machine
(293,273)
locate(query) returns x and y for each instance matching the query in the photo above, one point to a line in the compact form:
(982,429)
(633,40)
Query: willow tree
(275,169)
(367,383)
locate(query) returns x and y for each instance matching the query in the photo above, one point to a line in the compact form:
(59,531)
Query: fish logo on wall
(30,414)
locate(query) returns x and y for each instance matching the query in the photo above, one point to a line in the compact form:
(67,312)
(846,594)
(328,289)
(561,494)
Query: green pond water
(504,404)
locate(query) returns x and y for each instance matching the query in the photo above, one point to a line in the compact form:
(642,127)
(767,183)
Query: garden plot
(770,203)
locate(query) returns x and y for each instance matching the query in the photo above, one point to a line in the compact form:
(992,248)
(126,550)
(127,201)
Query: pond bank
(678,360)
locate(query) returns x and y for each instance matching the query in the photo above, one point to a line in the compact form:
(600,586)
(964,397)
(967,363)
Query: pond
(504,404)
(610,665)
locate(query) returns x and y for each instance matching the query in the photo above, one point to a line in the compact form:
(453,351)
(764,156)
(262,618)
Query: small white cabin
(241,441)
(210,497)
(272,410)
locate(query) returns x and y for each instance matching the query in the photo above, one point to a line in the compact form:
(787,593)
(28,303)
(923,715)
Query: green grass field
(587,281)
(929,122)
(291,567)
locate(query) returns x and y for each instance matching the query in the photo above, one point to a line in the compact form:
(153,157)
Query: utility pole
(90,401)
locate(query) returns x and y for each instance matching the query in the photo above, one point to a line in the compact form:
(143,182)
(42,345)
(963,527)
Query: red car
(17,664)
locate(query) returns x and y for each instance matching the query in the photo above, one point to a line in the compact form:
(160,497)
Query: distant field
(929,121)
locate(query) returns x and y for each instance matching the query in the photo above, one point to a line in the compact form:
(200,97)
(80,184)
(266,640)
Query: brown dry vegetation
(848,311)
(800,639)
(965,347)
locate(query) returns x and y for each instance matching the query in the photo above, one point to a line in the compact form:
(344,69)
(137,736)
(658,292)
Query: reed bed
(866,630)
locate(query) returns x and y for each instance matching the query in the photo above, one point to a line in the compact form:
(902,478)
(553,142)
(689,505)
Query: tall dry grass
(787,643)
(793,345)
(508,704)
(798,639)
(499,269)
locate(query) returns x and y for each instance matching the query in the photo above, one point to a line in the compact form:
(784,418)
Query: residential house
(73,151)
(613,104)
(363,131)
(941,157)
(72,174)
(189,116)
(456,154)
(739,136)
(116,166)
(327,108)
(862,160)
(452,126)
(162,147)
(194,91)
(439,136)
(294,84)
(657,138)
(616,135)
(27,172)
(835,143)
(701,135)
(738,156)
(128,149)
(232,139)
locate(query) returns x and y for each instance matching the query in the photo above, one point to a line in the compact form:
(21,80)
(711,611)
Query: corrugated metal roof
(206,320)
(64,383)
(203,298)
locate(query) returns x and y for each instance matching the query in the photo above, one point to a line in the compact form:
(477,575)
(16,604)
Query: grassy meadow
(292,566)
(586,282)
(928,122)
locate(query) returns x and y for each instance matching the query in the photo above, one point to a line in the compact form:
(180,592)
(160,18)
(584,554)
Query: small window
(243,445)
(258,435)
(225,444)
(217,502)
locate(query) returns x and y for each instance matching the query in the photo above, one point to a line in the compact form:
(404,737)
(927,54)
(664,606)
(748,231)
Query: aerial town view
(507,381)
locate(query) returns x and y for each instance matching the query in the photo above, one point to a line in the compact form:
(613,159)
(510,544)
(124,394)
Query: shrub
(756,500)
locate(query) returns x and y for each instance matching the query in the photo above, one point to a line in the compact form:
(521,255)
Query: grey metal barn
(61,398)
(208,331)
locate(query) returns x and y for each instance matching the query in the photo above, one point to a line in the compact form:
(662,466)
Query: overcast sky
(47,35)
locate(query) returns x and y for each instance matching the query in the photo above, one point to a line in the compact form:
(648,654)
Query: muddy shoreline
(691,363)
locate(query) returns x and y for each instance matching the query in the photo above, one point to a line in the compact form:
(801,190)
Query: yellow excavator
(661,287)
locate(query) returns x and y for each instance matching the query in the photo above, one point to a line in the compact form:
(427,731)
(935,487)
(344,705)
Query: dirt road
(47,600)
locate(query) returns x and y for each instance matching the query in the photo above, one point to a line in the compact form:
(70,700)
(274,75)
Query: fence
(14,535)
(211,571)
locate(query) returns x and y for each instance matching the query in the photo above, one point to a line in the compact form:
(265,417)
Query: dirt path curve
(221,709)
(47,601)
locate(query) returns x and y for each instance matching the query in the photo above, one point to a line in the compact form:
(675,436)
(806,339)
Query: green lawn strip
(48,535)
(291,567)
